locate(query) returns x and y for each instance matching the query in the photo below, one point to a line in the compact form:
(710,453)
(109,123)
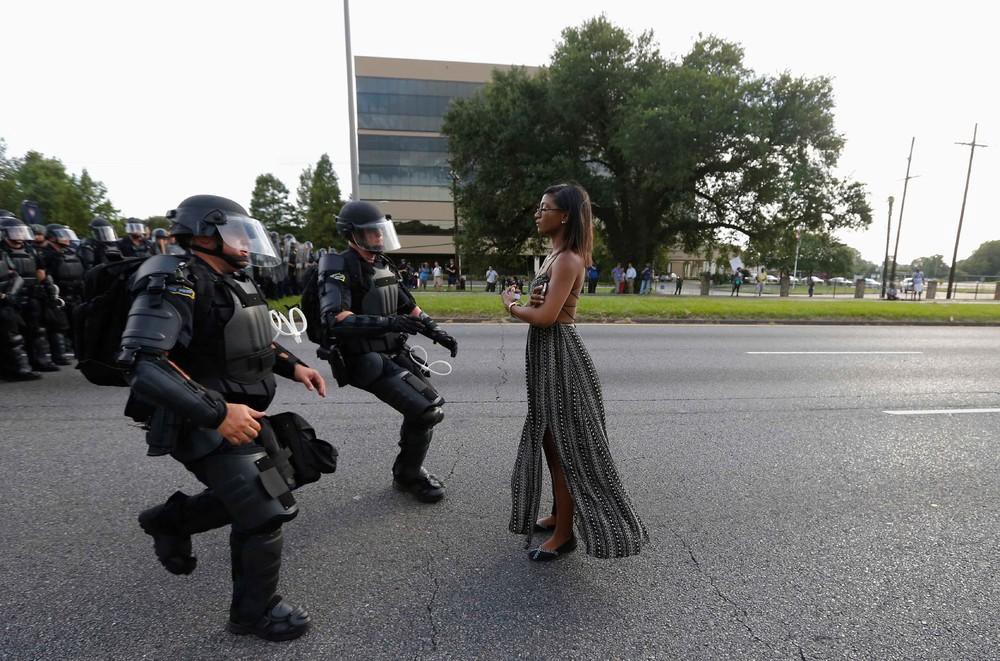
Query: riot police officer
(14,364)
(29,299)
(163,243)
(64,266)
(198,342)
(101,246)
(366,313)
(135,243)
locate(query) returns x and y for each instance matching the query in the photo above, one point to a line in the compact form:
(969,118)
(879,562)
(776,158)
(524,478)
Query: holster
(310,456)
(337,365)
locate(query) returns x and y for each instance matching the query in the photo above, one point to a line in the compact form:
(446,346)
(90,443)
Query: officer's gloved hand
(445,340)
(402,323)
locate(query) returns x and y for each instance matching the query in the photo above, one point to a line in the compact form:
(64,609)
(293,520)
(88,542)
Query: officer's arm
(285,361)
(160,318)
(335,305)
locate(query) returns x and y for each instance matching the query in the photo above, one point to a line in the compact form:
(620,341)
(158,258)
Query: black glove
(402,323)
(438,336)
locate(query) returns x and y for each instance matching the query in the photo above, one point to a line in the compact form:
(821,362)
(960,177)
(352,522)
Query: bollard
(931,289)
(706,284)
(859,288)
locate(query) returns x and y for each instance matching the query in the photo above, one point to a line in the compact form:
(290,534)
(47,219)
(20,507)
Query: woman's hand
(537,296)
(507,296)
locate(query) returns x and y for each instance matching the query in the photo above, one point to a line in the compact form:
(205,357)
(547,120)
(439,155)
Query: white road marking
(831,353)
(941,411)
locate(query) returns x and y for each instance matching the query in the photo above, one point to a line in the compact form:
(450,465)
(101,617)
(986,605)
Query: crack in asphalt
(504,376)
(430,603)
(741,613)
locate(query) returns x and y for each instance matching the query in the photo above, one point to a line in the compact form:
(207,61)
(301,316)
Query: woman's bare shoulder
(568,262)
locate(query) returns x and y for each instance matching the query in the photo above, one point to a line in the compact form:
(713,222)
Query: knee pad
(251,488)
(431,416)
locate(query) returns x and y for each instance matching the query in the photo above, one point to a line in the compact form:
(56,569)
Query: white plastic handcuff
(287,326)
(429,366)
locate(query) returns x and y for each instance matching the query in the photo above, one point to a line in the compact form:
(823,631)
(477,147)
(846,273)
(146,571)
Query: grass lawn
(610,308)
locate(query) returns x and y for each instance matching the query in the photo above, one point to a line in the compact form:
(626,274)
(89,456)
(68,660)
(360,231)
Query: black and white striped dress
(564,396)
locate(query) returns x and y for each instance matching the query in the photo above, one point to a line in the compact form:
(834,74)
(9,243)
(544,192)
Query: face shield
(104,233)
(379,236)
(18,233)
(64,236)
(245,233)
(135,228)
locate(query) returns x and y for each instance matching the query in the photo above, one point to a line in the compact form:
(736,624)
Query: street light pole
(888,233)
(798,242)
(961,216)
(351,117)
(454,209)
(902,205)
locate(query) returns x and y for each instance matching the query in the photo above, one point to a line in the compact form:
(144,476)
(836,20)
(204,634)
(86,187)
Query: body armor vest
(249,356)
(70,273)
(382,297)
(25,264)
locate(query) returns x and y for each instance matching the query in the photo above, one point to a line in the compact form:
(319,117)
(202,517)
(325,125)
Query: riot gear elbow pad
(155,380)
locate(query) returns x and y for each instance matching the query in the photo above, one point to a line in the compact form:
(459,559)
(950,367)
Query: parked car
(907,285)
(772,278)
(873,283)
(815,279)
(845,282)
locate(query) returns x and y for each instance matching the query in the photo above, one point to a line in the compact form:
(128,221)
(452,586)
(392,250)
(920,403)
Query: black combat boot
(57,341)
(39,355)
(256,608)
(15,360)
(172,524)
(408,473)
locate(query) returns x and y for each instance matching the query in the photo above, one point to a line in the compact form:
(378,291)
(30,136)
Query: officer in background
(135,243)
(30,295)
(366,314)
(101,246)
(164,244)
(14,364)
(198,343)
(40,242)
(64,266)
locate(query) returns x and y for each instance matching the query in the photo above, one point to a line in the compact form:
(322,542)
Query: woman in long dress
(565,406)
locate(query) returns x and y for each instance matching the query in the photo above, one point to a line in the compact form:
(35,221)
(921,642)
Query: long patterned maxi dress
(564,396)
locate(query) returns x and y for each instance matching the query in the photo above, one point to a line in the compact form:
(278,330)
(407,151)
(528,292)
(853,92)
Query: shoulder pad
(332,262)
(167,265)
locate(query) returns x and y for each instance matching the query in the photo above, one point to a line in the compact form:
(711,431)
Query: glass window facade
(405,167)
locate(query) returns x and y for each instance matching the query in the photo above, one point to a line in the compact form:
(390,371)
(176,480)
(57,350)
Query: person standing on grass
(761,281)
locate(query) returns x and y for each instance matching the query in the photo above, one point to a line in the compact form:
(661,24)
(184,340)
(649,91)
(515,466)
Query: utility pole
(454,209)
(972,152)
(902,205)
(351,116)
(885,262)
(798,242)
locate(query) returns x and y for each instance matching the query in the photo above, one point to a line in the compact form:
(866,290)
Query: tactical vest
(382,297)
(26,265)
(70,272)
(247,336)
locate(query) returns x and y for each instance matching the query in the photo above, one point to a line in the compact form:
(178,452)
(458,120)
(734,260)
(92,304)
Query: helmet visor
(135,228)
(18,233)
(379,236)
(245,233)
(64,234)
(104,233)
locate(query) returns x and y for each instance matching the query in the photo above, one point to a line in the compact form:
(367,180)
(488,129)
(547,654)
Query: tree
(984,261)
(269,204)
(319,202)
(818,253)
(700,151)
(933,266)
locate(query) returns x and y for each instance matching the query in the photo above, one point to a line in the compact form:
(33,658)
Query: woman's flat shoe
(538,554)
(540,528)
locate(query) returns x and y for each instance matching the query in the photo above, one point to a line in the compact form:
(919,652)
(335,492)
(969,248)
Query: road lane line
(941,411)
(831,353)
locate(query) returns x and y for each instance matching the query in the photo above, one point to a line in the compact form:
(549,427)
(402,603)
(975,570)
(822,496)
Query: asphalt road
(790,516)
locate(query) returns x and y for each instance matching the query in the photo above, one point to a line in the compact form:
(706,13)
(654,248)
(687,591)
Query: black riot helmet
(60,234)
(363,224)
(13,229)
(160,233)
(38,229)
(211,215)
(102,230)
(135,227)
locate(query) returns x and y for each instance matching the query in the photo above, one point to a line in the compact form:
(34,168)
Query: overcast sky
(164,100)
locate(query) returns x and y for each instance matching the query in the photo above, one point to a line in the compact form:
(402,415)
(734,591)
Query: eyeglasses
(544,209)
